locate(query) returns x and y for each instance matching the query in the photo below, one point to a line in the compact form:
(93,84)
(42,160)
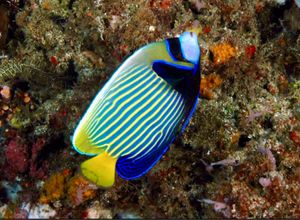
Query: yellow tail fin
(100,169)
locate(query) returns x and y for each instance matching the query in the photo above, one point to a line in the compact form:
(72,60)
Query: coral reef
(239,156)
(80,190)
(40,211)
(96,211)
(53,188)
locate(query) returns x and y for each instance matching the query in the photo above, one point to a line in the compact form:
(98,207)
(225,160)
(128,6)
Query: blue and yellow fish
(135,117)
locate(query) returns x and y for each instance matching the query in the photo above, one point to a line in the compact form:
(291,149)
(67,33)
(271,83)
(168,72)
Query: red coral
(38,169)
(165,4)
(37,147)
(206,30)
(295,137)
(17,156)
(250,51)
(54,60)
(275,190)
(19,161)
(21,214)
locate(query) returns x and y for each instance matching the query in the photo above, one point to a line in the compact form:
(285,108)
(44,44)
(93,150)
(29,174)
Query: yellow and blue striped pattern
(134,114)
(137,114)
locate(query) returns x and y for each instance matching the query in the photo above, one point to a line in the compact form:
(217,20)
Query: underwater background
(239,157)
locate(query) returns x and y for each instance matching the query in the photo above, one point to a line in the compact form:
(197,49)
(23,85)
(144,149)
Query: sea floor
(239,157)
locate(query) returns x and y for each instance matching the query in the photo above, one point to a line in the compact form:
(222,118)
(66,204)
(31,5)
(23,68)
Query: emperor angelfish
(135,117)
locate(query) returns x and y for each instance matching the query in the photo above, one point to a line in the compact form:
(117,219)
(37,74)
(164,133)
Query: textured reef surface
(238,158)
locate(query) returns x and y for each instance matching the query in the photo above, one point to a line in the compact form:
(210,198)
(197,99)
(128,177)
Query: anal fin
(132,168)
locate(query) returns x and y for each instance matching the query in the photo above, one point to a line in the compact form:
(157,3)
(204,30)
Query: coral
(97,61)
(80,190)
(37,147)
(56,55)
(18,121)
(26,98)
(6,93)
(17,156)
(250,51)
(54,60)
(209,83)
(295,137)
(46,35)
(222,52)
(53,188)
(12,190)
(38,211)
(3,25)
(95,211)
(270,157)
(20,214)
(206,29)
(38,169)
(10,69)
(3,209)
(39,172)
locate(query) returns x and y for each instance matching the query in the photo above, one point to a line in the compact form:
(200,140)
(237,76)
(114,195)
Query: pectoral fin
(171,72)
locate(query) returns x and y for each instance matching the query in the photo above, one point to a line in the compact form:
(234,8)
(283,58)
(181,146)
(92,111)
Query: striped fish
(135,117)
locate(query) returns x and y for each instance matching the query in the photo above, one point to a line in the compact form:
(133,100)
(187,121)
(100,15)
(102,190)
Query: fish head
(190,47)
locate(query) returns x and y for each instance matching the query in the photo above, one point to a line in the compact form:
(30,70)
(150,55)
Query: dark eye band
(175,49)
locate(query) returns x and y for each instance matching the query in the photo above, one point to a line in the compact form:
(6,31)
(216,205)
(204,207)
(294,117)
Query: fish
(147,102)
